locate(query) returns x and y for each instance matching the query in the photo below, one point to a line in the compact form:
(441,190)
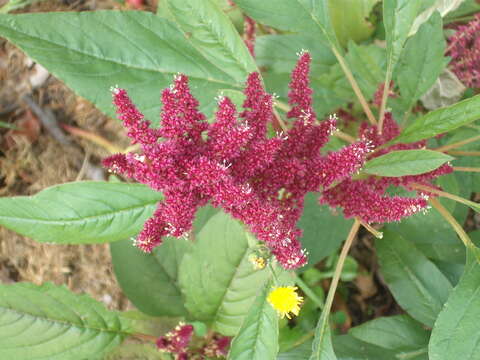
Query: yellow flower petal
(285,300)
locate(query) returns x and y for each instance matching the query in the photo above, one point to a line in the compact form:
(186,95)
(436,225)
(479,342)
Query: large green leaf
(351,24)
(422,61)
(406,162)
(323,232)
(398,18)
(303,16)
(80,212)
(138,352)
(150,280)
(322,348)
(441,120)
(136,50)
(349,348)
(279,53)
(367,63)
(49,322)
(217,279)
(300,352)
(398,333)
(209,30)
(432,235)
(455,334)
(258,336)
(416,283)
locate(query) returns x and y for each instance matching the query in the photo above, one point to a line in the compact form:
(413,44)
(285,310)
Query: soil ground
(31,159)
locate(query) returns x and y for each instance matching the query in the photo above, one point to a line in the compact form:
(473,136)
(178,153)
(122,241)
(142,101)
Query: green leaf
(432,235)
(441,121)
(137,352)
(150,280)
(351,24)
(208,29)
(422,61)
(135,50)
(49,322)
(349,348)
(455,333)
(367,63)
(323,232)
(258,336)
(398,18)
(217,279)
(406,162)
(416,283)
(322,348)
(279,53)
(399,333)
(300,352)
(80,212)
(303,16)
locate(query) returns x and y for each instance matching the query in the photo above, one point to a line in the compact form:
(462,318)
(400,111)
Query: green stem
(309,292)
(456,226)
(444,194)
(386,89)
(354,85)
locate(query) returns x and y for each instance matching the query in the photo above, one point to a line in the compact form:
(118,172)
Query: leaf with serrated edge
(49,322)
(80,212)
(416,283)
(136,50)
(217,279)
(406,162)
(258,336)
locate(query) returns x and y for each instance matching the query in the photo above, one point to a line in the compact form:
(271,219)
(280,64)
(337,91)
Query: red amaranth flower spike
(259,180)
(300,94)
(358,199)
(464,48)
(176,341)
(217,347)
(366,198)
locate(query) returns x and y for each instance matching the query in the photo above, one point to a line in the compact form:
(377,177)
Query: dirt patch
(31,159)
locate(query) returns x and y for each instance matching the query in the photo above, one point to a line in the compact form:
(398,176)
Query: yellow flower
(258,262)
(285,300)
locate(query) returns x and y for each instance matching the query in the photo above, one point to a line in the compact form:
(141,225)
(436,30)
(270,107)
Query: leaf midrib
(81,219)
(113,61)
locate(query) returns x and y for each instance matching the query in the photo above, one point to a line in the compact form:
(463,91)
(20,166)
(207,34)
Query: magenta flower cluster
(232,164)
(366,199)
(464,48)
(257,179)
(176,342)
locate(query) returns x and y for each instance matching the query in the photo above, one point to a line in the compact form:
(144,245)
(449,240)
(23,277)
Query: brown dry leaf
(366,286)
